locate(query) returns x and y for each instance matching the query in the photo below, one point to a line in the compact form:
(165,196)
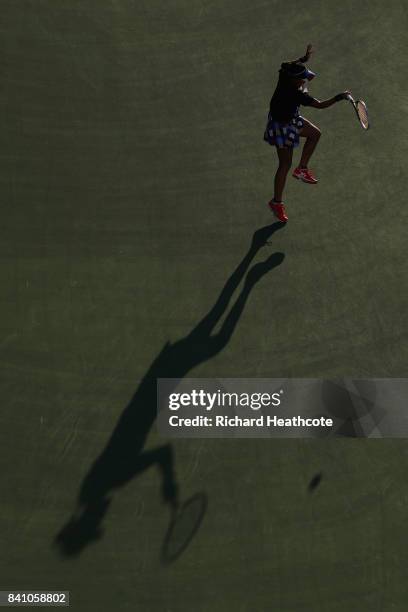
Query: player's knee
(285,165)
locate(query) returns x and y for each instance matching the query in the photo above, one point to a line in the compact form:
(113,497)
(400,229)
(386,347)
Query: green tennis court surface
(133,176)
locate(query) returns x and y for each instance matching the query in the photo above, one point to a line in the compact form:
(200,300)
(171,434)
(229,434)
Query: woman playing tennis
(285,125)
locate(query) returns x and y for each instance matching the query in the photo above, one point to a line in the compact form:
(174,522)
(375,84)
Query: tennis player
(285,125)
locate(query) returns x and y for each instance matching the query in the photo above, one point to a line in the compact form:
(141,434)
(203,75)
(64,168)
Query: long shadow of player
(123,457)
(352,403)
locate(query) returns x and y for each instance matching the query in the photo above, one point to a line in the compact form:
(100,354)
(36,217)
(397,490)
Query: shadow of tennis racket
(184,524)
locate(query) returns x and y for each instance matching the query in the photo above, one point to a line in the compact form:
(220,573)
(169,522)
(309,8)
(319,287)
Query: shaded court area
(136,243)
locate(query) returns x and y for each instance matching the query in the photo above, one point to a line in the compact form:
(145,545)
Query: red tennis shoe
(278,210)
(305,175)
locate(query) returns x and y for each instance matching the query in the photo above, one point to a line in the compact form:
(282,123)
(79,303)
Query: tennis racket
(361,111)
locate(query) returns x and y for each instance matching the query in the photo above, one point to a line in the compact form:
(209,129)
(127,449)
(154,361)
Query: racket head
(183,527)
(362,114)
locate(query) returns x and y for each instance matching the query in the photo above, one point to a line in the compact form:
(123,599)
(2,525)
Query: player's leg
(285,161)
(312,134)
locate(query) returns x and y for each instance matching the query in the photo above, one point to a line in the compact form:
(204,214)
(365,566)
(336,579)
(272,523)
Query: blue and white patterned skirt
(283,135)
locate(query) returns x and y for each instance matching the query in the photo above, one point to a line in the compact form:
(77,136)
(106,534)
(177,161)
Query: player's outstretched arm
(326,103)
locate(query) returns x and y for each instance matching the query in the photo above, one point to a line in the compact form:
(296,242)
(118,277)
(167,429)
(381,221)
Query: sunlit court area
(137,244)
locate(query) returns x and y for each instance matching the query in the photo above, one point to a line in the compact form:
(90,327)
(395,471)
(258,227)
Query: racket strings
(362,114)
